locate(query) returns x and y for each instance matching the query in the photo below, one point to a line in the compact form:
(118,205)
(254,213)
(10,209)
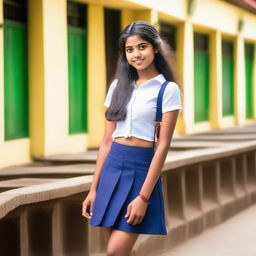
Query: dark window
(15,10)
(227,48)
(168,32)
(112,32)
(201,42)
(76,15)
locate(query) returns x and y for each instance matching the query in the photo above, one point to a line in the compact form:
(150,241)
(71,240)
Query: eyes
(140,47)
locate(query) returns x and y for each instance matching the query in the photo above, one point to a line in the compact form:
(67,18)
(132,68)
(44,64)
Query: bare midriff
(133,141)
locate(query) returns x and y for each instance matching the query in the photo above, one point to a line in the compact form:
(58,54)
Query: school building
(57,58)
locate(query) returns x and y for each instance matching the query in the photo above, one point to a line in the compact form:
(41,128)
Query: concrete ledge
(22,182)
(37,193)
(207,154)
(201,188)
(47,171)
(55,189)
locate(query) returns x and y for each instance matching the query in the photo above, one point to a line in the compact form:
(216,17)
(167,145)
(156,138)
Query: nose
(136,53)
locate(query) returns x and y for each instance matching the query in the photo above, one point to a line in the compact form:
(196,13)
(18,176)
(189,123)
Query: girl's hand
(88,204)
(136,211)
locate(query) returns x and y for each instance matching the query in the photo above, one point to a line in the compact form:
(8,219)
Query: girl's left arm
(169,120)
(137,208)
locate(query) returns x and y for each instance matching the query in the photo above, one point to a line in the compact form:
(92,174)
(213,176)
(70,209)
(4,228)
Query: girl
(125,196)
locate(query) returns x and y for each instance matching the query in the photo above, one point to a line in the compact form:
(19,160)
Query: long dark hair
(125,73)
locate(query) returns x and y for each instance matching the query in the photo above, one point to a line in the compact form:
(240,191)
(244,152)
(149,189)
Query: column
(185,59)
(96,74)
(215,80)
(239,80)
(48,69)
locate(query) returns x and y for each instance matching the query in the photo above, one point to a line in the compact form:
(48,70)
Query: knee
(115,252)
(112,252)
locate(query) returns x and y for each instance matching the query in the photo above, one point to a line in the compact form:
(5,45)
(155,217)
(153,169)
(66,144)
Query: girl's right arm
(103,152)
(102,155)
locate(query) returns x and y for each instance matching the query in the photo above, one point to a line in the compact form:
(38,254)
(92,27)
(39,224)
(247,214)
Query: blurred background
(57,59)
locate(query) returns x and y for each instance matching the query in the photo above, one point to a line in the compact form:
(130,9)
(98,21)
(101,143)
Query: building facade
(58,57)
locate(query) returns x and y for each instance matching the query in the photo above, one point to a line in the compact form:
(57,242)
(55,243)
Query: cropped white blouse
(141,108)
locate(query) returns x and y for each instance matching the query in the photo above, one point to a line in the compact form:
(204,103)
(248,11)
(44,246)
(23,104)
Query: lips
(138,61)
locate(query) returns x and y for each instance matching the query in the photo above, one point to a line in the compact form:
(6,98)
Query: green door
(227,78)
(77,68)
(249,58)
(201,77)
(16,112)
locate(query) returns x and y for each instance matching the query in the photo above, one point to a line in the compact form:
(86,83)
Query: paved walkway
(234,237)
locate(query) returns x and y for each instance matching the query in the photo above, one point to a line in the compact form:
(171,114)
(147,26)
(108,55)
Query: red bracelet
(144,198)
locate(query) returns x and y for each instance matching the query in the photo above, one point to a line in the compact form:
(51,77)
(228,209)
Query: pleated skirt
(122,177)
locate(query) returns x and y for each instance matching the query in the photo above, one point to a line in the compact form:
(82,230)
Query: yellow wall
(48,66)
(177,9)
(48,69)
(36,77)
(240,107)
(185,64)
(96,73)
(215,79)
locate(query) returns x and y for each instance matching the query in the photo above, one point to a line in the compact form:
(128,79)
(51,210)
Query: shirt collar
(159,78)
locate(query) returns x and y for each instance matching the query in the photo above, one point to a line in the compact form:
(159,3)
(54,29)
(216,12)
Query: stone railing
(201,187)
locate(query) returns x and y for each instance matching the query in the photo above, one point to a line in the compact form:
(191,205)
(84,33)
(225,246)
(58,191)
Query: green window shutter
(77,68)
(201,77)
(227,78)
(77,80)
(249,58)
(16,112)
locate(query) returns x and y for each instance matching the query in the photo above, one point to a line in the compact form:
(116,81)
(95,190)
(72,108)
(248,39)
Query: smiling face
(140,53)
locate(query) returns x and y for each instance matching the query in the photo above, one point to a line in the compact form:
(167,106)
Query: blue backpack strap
(159,102)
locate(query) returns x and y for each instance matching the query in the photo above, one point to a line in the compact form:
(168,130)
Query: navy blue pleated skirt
(122,177)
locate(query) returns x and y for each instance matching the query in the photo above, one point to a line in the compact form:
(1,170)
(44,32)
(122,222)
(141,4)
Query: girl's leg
(106,233)
(121,243)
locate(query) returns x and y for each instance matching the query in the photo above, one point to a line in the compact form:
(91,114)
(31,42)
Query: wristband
(144,198)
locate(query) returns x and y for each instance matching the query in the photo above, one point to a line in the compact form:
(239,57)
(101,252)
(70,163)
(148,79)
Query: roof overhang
(249,5)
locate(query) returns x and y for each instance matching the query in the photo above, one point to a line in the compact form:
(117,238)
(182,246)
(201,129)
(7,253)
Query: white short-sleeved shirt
(141,108)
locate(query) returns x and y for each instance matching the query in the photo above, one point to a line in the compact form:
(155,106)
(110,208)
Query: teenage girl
(125,196)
